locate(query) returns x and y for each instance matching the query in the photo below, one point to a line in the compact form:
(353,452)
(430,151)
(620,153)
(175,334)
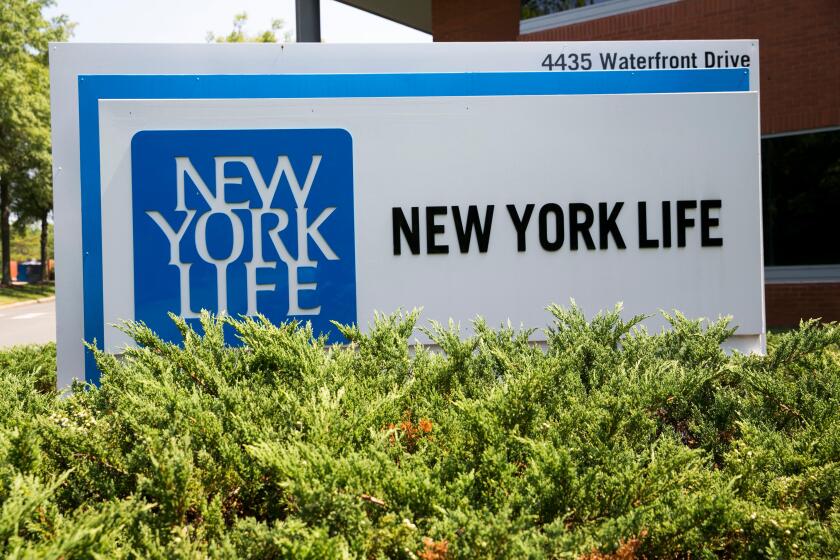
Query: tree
(239,35)
(24,107)
(33,203)
(26,241)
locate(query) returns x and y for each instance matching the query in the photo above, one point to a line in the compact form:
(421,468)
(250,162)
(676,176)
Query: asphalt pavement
(33,323)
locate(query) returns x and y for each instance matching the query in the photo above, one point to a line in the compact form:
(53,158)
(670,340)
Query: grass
(26,292)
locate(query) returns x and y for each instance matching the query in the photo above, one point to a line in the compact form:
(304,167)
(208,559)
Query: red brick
(799,45)
(786,304)
(475,20)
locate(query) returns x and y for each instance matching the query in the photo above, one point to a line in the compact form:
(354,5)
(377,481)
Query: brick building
(799,44)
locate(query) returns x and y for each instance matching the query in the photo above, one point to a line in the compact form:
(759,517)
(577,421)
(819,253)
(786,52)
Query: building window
(536,8)
(801,192)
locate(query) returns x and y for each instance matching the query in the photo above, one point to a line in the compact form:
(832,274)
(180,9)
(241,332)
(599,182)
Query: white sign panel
(329,195)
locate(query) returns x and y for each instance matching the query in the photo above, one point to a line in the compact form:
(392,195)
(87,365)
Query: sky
(189,21)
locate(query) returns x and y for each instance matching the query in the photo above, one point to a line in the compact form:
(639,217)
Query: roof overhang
(412,13)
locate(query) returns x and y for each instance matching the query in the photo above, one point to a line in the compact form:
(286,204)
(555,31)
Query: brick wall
(799,48)
(786,304)
(475,20)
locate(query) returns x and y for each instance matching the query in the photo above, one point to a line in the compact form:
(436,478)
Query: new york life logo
(243,222)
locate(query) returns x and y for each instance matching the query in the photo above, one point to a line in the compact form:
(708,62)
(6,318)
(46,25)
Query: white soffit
(412,13)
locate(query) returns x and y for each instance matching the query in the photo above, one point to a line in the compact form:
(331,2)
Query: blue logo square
(243,222)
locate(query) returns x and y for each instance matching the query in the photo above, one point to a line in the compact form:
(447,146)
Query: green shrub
(607,442)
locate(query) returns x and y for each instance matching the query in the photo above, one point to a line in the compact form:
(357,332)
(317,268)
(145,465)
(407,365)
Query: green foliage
(26,242)
(25,156)
(24,84)
(239,35)
(608,440)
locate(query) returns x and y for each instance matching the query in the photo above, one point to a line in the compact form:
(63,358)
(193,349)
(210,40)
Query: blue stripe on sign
(94,88)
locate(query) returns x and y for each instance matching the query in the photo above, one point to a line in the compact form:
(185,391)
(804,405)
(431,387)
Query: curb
(27,302)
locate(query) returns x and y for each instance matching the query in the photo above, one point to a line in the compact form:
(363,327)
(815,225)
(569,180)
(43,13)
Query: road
(33,323)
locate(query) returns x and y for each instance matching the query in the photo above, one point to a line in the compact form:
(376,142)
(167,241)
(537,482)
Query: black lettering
(433,229)
(411,232)
(558,222)
(576,227)
(482,233)
(683,223)
(644,242)
(607,225)
(707,222)
(521,224)
(666,223)
(608,60)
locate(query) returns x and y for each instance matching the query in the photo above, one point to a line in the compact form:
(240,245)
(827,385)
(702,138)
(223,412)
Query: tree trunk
(5,233)
(45,260)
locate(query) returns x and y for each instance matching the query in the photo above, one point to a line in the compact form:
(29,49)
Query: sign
(326,182)
(220,234)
